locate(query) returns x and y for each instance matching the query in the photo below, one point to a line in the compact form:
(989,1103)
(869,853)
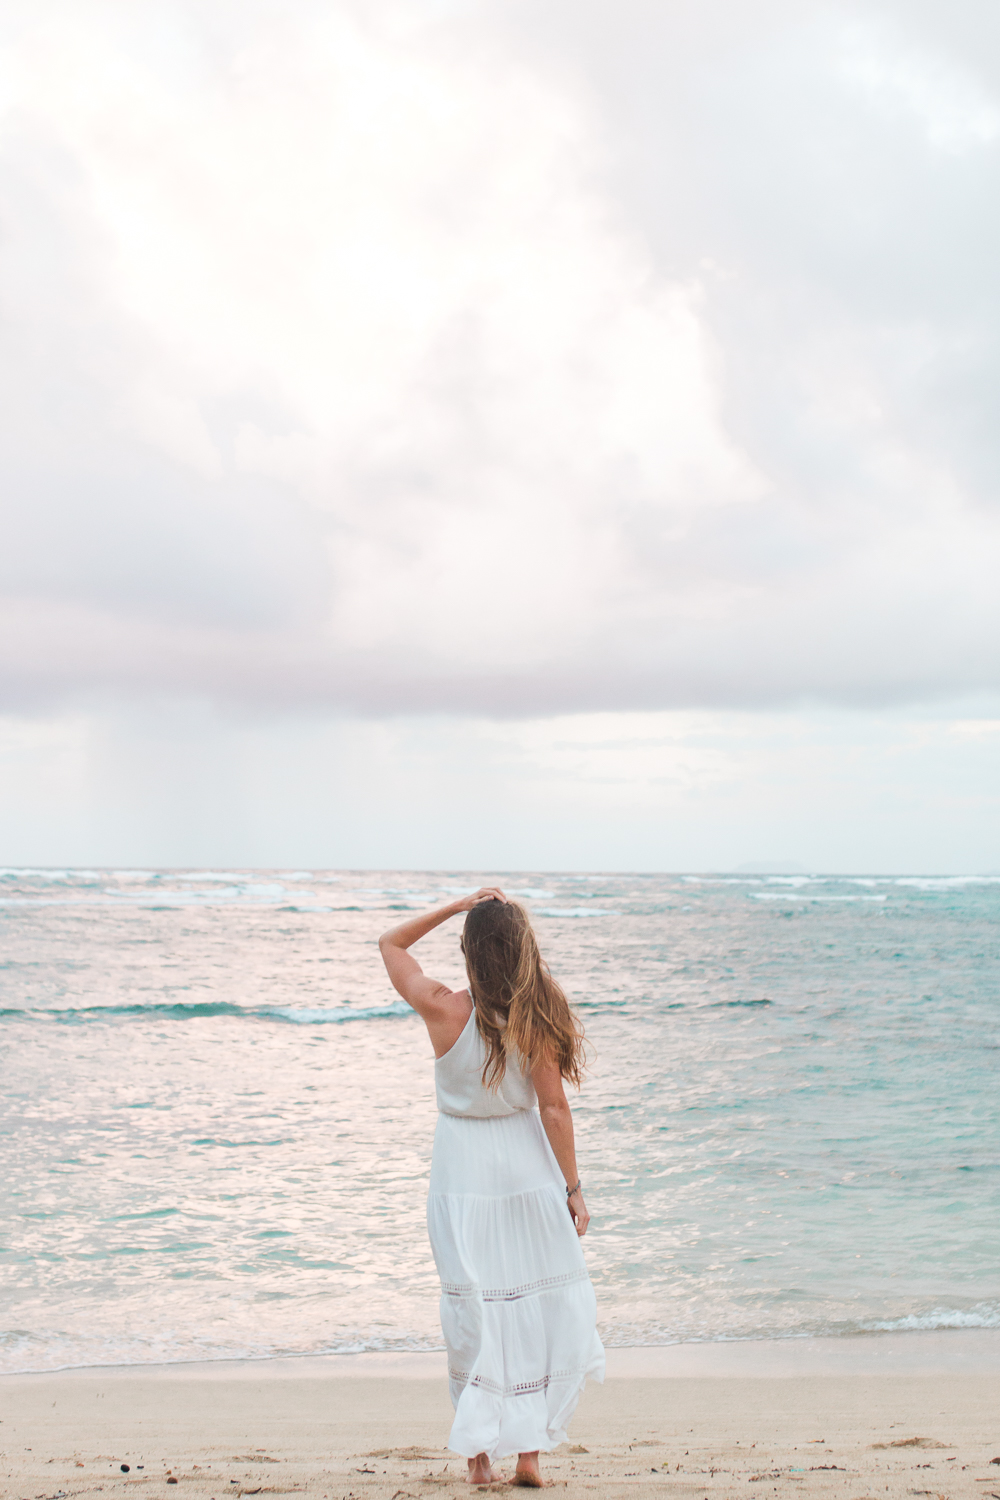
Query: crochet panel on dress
(512,1293)
(521,1387)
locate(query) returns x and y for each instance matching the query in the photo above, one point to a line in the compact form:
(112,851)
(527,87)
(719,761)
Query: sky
(500,435)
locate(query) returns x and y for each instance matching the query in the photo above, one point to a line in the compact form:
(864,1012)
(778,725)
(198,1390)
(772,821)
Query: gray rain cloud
(511,359)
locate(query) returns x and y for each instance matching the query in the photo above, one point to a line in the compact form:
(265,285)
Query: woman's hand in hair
(578,1212)
(488,893)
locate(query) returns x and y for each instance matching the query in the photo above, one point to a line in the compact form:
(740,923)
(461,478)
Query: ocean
(217,1116)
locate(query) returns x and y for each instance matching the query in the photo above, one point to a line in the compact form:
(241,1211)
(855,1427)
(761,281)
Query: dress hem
(542,1442)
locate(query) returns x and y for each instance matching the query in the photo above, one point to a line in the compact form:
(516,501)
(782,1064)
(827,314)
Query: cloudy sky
(500,435)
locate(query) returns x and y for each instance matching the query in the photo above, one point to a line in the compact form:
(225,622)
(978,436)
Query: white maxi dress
(518,1310)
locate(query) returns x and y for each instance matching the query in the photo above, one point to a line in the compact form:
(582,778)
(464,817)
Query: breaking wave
(196,1010)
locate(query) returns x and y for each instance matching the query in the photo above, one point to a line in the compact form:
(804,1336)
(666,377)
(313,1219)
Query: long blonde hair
(520,1008)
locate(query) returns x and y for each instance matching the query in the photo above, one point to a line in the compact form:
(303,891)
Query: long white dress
(518,1310)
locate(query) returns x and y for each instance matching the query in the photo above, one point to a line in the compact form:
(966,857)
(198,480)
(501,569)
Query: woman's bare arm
(557,1119)
(429,997)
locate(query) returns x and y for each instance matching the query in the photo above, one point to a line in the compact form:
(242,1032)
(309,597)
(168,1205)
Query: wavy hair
(519,1006)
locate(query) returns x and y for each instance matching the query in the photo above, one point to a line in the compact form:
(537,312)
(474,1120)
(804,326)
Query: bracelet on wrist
(574,1189)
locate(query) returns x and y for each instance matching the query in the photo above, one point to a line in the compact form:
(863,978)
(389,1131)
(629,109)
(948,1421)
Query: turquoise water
(216,1118)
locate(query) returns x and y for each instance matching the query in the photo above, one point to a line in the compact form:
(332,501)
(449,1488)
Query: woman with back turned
(505,1211)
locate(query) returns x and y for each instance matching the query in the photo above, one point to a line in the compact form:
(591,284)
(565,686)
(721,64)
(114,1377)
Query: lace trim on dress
(512,1293)
(521,1388)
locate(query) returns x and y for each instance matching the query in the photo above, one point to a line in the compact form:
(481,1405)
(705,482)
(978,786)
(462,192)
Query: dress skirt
(518,1310)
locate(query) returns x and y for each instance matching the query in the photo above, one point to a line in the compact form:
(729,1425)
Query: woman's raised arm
(406,975)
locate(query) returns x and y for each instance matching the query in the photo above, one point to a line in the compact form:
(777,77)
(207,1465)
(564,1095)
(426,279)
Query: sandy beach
(853,1419)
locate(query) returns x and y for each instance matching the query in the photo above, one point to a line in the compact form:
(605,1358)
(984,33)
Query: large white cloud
(512,360)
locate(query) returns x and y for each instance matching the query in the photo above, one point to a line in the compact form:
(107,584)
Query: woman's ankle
(480,1468)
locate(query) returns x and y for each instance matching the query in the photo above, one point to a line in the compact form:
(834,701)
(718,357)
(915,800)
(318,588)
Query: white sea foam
(811,896)
(983,1315)
(335,1015)
(574,911)
(239,895)
(818,896)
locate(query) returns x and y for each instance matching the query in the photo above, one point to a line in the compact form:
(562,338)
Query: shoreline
(924,1352)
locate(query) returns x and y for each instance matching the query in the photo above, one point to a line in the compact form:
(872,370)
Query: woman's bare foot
(481,1471)
(527,1472)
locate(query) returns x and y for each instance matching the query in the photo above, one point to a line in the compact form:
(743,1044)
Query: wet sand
(876,1419)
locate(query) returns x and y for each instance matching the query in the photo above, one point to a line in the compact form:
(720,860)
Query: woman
(506,1210)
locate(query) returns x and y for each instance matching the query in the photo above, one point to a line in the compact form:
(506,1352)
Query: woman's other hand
(578,1212)
(487,893)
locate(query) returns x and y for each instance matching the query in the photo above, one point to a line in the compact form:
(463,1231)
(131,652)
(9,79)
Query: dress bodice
(458,1077)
